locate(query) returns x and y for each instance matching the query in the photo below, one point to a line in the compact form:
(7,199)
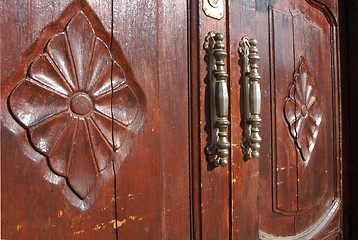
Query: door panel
(299,179)
(94,120)
(214,182)
(34,205)
(299,163)
(158,196)
(106,116)
(243,22)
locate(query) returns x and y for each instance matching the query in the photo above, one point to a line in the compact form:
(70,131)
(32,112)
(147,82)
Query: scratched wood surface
(212,185)
(300,160)
(290,190)
(243,19)
(131,164)
(33,205)
(155,47)
(129,111)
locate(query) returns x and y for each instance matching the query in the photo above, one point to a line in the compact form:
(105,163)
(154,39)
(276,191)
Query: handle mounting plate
(214,8)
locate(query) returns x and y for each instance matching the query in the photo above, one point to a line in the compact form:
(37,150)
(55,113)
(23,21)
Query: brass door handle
(218,150)
(252,98)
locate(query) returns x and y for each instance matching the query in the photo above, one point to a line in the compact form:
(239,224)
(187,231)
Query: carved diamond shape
(77,106)
(302,111)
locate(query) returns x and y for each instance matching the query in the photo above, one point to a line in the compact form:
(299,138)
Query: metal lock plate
(214,8)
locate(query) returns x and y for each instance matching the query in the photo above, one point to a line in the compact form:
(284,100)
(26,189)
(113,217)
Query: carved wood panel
(304,196)
(78,109)
(91,182)
(302,111)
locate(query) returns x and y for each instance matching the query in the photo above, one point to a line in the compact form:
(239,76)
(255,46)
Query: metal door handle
(252,98)
(218,150)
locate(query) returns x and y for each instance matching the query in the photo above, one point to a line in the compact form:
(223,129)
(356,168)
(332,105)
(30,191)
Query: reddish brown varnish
(105,117)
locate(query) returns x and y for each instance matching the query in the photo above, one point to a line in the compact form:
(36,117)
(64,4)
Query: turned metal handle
(218,150)
(252,98)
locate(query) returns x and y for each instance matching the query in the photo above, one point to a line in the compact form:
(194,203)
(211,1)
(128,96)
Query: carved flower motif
(302,111)
(76,105)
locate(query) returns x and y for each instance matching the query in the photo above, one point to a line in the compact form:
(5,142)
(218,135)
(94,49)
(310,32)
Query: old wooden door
(293,190)
(300,156)
(94,108)
(106,115)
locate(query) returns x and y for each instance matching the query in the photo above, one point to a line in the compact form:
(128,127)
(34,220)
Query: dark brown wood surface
(300,187)
(120,168)
(296,196)
(33,205)
(105,118)
(243,20)
(155,44)
(214,182)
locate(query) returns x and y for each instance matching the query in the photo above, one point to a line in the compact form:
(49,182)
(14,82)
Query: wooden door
(94,108)
(105,118)
(300,156)
(293,190)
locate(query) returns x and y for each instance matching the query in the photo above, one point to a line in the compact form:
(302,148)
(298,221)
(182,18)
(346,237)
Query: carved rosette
(302,111)
(77,106)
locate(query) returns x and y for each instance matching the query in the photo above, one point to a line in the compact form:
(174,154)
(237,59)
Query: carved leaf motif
(72,99)
(302,111)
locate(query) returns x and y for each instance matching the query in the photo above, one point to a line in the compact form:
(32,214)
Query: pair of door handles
(218,149)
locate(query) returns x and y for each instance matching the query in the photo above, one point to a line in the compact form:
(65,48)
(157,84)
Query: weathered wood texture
(133,91)
(214,182)
(153,38)
(243,19)
(33,205)
(66,188)
(300,164)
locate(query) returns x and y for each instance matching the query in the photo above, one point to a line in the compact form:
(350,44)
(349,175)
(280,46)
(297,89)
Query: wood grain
(147,196)
(214,182)
(33,206)
(243,20)
(156,203)
(148,116)
(294,194)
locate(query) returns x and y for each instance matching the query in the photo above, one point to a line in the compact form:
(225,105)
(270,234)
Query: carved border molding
(315,229)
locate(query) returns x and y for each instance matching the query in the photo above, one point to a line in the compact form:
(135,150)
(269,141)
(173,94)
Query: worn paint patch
(132,218)
(59,214)
(119,223)
(18,227)
(166,211)
(99,226)
(79,232)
